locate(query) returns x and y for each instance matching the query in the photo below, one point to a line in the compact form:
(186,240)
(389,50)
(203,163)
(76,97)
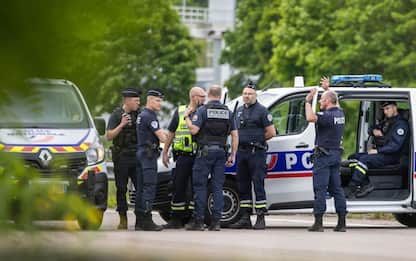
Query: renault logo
(45,157)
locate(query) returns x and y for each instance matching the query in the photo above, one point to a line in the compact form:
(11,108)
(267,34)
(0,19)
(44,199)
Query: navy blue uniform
(327,159)
(124,156)
(215,123)
(394,143)
(251,164)
(147,154)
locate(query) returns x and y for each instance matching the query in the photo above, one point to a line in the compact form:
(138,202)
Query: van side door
(289,168)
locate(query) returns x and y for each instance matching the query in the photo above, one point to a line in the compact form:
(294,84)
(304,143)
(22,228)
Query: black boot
(317,226)
(351,191)
(260,222)
(341,226)
(244,222)
(215,225)
(175,222)
(139,221)
(196,225)
(149,225)
(123,221)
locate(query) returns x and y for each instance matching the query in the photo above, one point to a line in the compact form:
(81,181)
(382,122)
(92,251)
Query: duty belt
(213,147)
(252,146)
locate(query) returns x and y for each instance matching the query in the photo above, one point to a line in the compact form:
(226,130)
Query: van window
(48,106)
(289,115)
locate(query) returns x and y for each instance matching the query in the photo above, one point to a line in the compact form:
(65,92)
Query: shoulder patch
(218,114)
(400,131)
(320,113)
(154,124)
(269,117)
(195,117)
(138,120)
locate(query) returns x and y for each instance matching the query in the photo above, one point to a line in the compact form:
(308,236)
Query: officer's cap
(155,92)
(251,85)
(386,103)
(131,92)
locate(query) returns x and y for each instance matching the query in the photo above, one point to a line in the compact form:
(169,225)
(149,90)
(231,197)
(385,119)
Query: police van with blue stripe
(289,168)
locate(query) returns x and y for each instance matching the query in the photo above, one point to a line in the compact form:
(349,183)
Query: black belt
(248,147)
(184,153)
(213,147)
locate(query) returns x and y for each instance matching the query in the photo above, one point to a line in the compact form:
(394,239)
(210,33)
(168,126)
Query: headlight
(95,154)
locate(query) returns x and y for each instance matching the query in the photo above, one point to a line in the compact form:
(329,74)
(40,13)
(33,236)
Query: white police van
(289,170)
(52,131)
(288,182)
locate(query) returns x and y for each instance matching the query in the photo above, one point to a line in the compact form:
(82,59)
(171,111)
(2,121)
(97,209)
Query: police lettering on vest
(216,123)
(330,126)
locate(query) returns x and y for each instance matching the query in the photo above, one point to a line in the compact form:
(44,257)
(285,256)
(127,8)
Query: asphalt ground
(285,238)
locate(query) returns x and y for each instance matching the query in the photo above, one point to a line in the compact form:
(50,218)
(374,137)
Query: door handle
(302,146)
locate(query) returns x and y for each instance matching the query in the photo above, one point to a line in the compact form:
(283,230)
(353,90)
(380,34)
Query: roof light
(356,78)
(299,81)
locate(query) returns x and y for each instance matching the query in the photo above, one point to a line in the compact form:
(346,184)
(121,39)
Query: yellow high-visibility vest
(183,138)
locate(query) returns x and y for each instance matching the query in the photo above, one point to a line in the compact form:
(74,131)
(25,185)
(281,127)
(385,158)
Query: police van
(288,182)
(53,132)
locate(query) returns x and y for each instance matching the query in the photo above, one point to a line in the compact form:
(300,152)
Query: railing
(193,14)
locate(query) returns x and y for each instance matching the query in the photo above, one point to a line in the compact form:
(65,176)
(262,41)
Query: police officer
(149,134)
(330,123)
(212,123)
(392,139)
(255,127)
(121,130)
(184,149)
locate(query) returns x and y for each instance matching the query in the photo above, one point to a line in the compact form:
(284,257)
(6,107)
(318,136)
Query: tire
(93,223)
(407,219)
(231,211)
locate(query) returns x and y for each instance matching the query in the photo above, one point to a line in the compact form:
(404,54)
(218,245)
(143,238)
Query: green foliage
(102,46)
(149,48)
(25,198)
(279,39)
(249,46)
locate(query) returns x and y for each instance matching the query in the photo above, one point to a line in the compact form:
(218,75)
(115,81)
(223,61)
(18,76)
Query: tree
(102,46)
(314,38)
(150,48)
(249,46)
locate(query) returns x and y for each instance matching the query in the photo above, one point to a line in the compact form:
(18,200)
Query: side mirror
(100,125)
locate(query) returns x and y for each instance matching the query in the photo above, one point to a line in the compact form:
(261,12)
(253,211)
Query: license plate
(54,186)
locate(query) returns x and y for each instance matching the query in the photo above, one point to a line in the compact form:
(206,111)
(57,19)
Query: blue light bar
(356,78)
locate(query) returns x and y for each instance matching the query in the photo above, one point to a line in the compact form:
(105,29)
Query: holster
(152,151)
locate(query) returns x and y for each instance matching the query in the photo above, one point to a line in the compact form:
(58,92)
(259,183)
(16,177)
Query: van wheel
(231,210)
(93,222)
(407,219)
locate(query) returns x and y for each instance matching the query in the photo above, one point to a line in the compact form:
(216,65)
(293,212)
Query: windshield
(48,106)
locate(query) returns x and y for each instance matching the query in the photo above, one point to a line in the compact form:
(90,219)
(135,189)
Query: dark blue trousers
(124,168)
(213,164)
(366,161)
(146,181)
(326,177)
(251,168)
